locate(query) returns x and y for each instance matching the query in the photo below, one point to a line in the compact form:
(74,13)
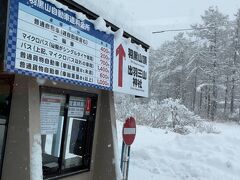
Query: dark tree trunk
(226,97)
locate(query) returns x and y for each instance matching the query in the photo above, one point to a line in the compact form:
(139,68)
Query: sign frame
(130,68)
(11,42)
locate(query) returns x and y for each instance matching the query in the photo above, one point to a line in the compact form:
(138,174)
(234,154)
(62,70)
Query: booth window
(5,103)
(67,127)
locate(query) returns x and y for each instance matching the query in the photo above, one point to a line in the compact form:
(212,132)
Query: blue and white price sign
(48,42)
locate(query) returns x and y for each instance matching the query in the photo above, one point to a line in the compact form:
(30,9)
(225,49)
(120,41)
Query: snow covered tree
(235,58)
(200,69)
(213,32)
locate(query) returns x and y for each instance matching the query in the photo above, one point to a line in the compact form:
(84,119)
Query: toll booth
(58,74)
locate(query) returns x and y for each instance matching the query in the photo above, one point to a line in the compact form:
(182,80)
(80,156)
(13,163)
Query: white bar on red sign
(129,131)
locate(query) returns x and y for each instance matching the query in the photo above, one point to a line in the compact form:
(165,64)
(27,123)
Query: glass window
(76,130)
(52,118)
(67,132)
(4,101)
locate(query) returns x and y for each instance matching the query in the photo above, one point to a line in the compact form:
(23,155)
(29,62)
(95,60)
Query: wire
(186,29)
(190,29)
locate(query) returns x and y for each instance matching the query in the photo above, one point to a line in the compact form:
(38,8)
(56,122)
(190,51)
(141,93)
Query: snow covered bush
(168,114)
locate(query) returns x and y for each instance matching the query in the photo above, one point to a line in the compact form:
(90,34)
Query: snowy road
(157,155)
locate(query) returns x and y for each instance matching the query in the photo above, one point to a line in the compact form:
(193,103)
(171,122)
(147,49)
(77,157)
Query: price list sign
(48,42)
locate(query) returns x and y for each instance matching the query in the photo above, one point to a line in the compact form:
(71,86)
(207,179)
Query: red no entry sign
(129,131)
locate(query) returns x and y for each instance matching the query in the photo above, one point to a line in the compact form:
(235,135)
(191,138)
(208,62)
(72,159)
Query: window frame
(91,119)
(8,79)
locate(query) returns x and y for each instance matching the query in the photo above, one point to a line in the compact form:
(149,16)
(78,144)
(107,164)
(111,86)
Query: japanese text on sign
(54,43)
(130,69)
(49,119)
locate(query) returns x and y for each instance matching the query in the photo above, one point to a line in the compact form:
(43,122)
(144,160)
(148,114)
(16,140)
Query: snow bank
(157,155)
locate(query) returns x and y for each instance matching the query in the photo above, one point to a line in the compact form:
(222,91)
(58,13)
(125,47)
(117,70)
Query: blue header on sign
(67,17)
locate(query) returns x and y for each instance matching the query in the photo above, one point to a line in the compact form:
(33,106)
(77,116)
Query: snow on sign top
(118,19)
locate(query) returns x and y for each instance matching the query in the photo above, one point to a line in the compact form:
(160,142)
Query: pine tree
(213,33)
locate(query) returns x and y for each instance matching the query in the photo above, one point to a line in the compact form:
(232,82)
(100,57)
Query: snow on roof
(116,13)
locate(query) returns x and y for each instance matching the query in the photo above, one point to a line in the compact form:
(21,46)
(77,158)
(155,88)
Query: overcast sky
(154,15)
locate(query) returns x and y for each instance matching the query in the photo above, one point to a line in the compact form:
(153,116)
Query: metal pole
(125,160)
(128,162)
(121,165)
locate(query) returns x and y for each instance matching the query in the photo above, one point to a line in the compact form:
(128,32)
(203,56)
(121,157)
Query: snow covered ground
(160,155)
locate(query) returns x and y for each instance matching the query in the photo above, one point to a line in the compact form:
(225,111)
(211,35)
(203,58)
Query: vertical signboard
(50,112)
(76,106)
(130,74)
(48,42)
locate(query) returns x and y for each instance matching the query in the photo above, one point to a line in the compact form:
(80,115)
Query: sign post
(128,133)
